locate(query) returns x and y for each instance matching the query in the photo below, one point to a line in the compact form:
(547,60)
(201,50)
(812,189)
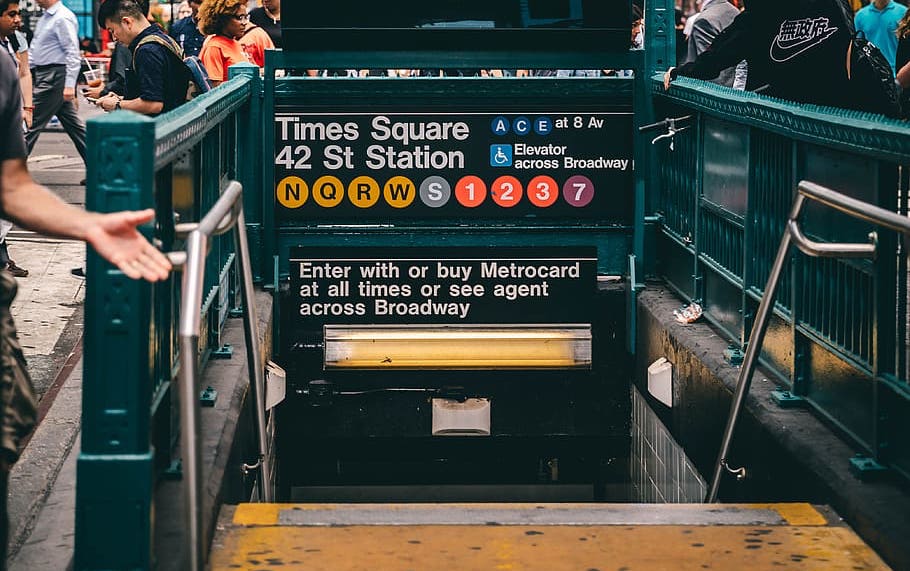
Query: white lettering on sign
(309,271)
(292,129)
(406,131)
(428,307)
(380,157)
(543,150)
(598,163)
(513,270)
(425,287)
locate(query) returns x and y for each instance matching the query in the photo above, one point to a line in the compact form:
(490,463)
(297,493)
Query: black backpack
(870,74)
(199,82)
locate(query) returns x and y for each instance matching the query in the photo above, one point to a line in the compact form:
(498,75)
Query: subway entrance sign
(373,285)
(551,163)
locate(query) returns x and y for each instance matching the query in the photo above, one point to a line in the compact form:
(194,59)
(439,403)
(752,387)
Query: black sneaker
(18,272)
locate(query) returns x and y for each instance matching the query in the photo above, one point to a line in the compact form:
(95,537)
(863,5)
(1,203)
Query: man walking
(714,17)
(878,22)
(159,79)
(55,63)
(14,44)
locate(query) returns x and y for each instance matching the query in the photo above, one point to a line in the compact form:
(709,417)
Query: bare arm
(25,84)
(113,236)
(903,76)
(139,105)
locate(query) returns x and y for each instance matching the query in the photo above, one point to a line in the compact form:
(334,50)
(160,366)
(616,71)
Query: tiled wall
(661,472)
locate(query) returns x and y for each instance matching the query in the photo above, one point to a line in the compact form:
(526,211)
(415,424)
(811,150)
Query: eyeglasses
(241,17)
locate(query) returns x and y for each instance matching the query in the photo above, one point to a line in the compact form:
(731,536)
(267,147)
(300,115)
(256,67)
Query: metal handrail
(226,213)
(842,203)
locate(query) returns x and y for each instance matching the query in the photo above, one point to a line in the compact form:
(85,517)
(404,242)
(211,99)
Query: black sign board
(502,285)
(410,25)
(553,164)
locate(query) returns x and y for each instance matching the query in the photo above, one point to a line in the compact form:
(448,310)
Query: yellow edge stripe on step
(795,514)
(258,514)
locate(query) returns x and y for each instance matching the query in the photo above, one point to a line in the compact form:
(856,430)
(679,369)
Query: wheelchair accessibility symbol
(500,155)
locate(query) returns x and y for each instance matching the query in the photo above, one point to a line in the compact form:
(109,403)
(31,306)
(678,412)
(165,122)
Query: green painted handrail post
(249,163)
(660,54)
(114,471)
(273,61)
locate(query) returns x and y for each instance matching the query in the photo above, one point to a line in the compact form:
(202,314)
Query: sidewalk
(49,316)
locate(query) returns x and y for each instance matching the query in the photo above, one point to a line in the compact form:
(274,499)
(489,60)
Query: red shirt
(218,54)
(254,43)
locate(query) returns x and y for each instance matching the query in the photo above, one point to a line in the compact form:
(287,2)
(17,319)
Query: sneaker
(18,272)
(78,272)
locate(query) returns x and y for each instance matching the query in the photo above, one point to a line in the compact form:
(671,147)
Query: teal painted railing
(838,336)
(177,164)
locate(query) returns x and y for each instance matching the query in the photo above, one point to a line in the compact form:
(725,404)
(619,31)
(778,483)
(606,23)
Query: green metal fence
(838,337)
(178,164)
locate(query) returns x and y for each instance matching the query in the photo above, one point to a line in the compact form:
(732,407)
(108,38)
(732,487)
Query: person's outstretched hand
(668,78)
(115,237)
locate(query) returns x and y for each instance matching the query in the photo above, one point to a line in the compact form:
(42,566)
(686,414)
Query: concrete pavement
(49,317)
(49,313)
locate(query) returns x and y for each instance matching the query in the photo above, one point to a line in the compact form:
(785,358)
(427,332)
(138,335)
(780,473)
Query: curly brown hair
(903,27)
(213,13)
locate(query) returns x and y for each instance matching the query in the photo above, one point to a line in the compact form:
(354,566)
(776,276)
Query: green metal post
(114,473)
(660,54)
(269,231)
(249,163)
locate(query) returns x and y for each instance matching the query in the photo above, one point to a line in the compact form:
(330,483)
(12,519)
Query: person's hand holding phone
(93,92)
(109,102)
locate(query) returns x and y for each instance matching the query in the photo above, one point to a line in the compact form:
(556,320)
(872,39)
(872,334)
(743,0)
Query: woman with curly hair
(224,21)
(902,63)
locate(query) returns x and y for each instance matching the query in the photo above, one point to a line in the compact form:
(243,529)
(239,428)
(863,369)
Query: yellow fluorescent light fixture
(458,347)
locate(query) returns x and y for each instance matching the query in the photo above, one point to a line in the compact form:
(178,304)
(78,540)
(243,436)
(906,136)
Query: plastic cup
(93,77)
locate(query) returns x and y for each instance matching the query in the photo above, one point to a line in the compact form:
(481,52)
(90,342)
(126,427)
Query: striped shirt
(56,42)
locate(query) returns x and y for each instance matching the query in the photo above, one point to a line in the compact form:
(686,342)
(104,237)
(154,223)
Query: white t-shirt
(23,47)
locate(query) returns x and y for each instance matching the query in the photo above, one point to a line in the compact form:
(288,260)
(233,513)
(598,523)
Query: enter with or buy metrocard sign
(441,285)
(454,165)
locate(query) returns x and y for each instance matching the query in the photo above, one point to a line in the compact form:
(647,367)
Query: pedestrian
(113,236)
(878,23)
(795,50)
(183,10)
(255,41)
(186,30)
(55,62)
(714,16)
(268,17)
(158,79)
(224,21)
(902,63)
(13,42)
(121,60)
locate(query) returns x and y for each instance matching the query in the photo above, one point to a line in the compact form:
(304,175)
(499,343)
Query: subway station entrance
(456,365)
(452,322)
